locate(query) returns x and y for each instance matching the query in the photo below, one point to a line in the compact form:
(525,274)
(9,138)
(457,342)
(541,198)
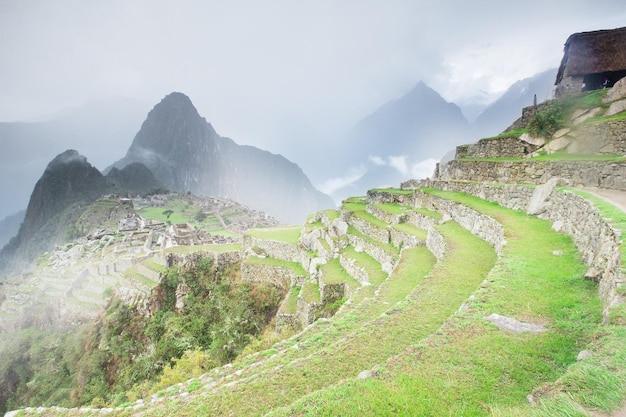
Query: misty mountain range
(402,139)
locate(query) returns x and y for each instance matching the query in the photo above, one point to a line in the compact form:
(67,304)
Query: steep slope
(500,114)
(68,182)
(420,124)
(9,226)
(186,154)
(387,145)
(101,130)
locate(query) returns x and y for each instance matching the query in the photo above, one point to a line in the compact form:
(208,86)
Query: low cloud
(402,164)
(399,163)
(337,183)
(424,169)
(376,160)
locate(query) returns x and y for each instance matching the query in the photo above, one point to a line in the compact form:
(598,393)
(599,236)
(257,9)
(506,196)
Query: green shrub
(546,122)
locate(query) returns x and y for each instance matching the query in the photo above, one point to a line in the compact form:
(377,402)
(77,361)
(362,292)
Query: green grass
(392,208)
(311,292)
(295,266)
(421,234)
(512,134)
(132,275)
(397,191)
(371,265)
(290,304)
(332,214)
(290,234)
(156,213)
(389,248)
(429,302)
(430,213)
(153,265)
(334,273)
(469,366)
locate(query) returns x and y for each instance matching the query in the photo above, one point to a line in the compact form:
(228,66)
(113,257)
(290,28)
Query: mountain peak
(68,157)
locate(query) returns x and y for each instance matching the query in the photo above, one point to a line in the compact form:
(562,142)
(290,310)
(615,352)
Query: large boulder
(616,107)
(617,92)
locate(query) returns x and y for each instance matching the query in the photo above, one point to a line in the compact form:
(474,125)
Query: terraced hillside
(422,302)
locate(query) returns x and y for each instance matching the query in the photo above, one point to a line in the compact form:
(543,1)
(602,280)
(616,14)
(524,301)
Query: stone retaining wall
(496,148)
(368,229)
(288,321)
(380,214)
(595,239)
(382,197)
(403,240)
(273,248)
(151,274)
(436,243)
(477,223)
(272,274)
(575,173)
(355,271)
(220,260)
(307,312)
(386,260)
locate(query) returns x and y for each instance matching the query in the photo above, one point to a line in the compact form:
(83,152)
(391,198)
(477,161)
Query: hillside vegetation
(424,300)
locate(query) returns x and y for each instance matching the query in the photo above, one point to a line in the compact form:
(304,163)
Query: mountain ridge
(185,153)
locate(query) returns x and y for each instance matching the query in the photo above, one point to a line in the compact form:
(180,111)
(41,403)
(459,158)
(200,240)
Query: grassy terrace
(421,234)
(311,292)
(418,303)
(133,275)
(290,304)
(289,234)
(429,213)
(334,273)
(295,266)
(373,268)
(472,368)
(393,191)
(390,249)
(205,248)
(392,208)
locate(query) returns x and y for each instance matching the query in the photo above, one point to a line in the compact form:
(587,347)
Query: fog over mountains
(402,139)
(185,154)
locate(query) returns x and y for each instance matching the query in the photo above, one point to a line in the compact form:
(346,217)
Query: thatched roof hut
(592,60)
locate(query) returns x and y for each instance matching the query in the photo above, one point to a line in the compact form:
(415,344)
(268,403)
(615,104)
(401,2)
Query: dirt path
(615,197)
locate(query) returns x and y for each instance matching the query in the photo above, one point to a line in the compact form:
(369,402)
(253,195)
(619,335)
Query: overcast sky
(257,69)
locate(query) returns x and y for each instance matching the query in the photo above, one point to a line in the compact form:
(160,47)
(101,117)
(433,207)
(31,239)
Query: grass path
(470,367)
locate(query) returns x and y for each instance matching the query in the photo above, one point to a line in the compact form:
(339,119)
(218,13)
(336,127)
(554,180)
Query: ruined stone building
(592,60)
